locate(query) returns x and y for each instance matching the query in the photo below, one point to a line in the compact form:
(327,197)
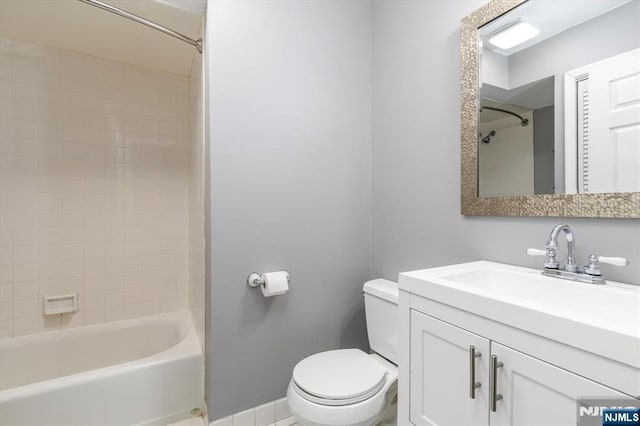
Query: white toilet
(347,387)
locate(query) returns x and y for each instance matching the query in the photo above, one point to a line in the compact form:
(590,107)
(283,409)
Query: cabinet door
(536,393)
(440,374)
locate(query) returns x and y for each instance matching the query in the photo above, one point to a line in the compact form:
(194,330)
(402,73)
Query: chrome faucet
(552,248)
(591,273)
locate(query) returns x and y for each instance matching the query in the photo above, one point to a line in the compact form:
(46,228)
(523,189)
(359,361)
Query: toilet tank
(381,310)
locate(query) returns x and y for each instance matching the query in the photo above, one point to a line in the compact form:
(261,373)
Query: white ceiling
(79,27)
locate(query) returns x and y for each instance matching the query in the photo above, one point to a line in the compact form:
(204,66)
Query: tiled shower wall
(94,183)
(196,199)
(506,163)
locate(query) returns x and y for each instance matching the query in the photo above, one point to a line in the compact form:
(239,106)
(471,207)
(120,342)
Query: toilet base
(367,413)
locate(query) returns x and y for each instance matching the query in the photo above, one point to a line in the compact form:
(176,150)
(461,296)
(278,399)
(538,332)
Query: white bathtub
(147,371)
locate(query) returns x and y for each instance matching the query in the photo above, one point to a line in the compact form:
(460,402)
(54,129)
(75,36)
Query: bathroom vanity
(486,343)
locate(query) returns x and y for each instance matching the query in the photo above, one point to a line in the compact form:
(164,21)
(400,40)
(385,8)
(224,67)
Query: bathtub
(147,371)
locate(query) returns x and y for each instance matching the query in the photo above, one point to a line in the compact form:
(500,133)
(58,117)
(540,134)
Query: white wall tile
(25,291)
(24,308)
(48,287)
(70,285)
(70,320)
(48,236)
(114,313)
(6,329)
(88,204)
(193,131)
(49,253)
(49,184)
(24,326)
(25,254)
(25,272)
(6,257)
(94,316)
(6,311)
(49,323)
(6,293)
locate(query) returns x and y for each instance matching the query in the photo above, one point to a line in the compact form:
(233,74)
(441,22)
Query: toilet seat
(338,377)
(319,412)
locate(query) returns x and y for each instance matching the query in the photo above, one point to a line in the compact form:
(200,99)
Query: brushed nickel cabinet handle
(493,382)
(473,385)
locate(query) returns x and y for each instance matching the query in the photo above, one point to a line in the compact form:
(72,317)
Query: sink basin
(604,319)
(615,303)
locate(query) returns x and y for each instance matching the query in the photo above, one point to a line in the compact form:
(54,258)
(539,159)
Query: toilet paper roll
(275,283)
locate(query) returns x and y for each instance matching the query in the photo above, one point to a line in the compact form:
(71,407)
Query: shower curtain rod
(148,23)
(523,121)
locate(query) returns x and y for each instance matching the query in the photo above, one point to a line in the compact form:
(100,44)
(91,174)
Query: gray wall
(290,140)
(416,158)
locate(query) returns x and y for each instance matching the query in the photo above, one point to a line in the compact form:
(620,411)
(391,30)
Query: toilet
(348,387)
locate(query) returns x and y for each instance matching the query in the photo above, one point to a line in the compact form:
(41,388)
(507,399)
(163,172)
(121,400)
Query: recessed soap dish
(53,305)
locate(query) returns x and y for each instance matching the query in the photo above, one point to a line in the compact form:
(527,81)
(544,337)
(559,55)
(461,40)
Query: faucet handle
(551,262)
(593,268)
(617,261)
(536,252)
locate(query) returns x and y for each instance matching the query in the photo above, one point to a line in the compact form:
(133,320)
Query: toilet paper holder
(255,279)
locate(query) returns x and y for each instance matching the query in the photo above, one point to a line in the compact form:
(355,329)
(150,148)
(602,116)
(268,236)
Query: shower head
(487,138)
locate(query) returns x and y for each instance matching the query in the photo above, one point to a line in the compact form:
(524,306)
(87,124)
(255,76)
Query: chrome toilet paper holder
(255,280)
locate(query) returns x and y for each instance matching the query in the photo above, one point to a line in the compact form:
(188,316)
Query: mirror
(551,108)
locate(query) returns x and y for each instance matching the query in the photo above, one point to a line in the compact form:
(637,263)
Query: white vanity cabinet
(535,392)
(530,391)
(440,355)
(539,376)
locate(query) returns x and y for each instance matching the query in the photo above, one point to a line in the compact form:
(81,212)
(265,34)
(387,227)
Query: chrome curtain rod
(148,23)
(523,121)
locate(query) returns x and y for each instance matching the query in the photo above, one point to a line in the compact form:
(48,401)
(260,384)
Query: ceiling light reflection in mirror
(514,35)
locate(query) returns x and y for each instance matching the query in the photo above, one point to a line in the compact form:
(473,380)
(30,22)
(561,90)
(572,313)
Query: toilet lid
(340,375)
